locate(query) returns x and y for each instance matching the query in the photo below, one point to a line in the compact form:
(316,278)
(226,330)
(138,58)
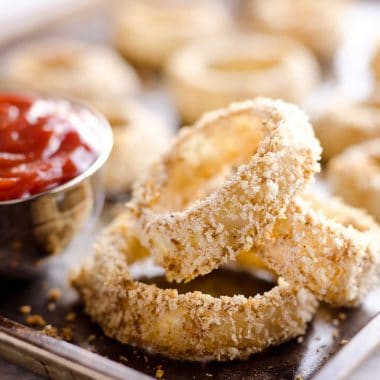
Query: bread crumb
(25,309)
(299,377)
(51,306)
(342,316)
(35,320)
(54,294)
(70,317)
(300,339)
(159,372)
(91,338)
(50,331)
(67,334)
(343,342)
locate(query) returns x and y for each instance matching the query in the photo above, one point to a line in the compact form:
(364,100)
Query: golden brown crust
(190,233)
(191,326)
(148,32)
(354,175)
(348,124)
(68,67)
(316,24)
(212,73)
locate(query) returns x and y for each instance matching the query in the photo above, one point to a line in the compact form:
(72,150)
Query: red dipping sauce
(41,146)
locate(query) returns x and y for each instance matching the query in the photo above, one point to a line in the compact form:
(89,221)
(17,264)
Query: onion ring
(348,124)
(190,234)
(68,67)
(326,246)
(212,73)
(140,137)
(148,32)
(354,175)
(313,23)
(191,326)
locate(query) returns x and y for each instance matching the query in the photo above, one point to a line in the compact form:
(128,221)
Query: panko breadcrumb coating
(190,326)
(272,148)
(329,247)
(354,175)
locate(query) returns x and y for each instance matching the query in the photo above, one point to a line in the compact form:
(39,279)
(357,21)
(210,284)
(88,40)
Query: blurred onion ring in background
(267,151)
(348,124)
(212,73)
(140,137)
(148,32)
(354,175)
(326,246)
(317,24)
(59,66)
(191,326)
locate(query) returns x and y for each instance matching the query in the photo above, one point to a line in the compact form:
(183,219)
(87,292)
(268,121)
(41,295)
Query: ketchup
(39,149)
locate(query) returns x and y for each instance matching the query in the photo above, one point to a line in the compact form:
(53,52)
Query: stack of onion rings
(186,212)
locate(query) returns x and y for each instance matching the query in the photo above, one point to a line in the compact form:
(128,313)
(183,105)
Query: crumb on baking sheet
(50,331)
(91,338)
(342,316)
(25,309)
(343,342)
(54,294)
(51,306)
(335,333)
(70,317)
(300,339)
(35,320)
(299,377)
(159,372)
(123,358)
(67,333)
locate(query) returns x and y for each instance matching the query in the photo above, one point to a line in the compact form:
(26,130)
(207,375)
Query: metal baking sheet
(89,354)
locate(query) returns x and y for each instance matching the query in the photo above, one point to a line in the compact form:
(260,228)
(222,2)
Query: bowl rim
(105,150)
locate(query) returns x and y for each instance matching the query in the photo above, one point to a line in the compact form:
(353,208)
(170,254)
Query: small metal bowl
(36,227)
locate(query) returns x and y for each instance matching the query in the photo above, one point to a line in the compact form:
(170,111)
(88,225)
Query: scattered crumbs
(335,333)
(299,377)
(91,338)
(123,358)
(159,372)
(35,320)
(343,342)
(50,331)
(209,374)
(146,359)
(25,309)
(67,333)
(51,306)
(300,339)
(342,316)
(70,317)
(54,294)
(335,322)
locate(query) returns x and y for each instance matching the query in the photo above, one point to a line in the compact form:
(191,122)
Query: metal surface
(41,225)
(353,354)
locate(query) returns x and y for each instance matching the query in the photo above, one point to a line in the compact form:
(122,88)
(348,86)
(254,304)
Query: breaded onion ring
(375,64)
(273,149)
(317,24)
(68,67)
(140,137)
(348,124)
(326,246)
(354,175)
(148,32)
(213,73)
(190,326)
